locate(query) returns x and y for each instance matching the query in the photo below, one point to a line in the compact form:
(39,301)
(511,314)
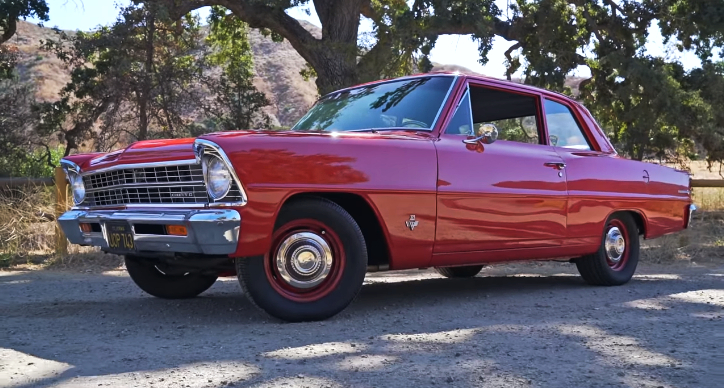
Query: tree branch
(256,15)
(12,27)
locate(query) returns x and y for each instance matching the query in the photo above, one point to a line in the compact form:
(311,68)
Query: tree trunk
(145,95)
(335,60)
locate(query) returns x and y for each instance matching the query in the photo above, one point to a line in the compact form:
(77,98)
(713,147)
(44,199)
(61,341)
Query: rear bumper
(210,231)
(689,214)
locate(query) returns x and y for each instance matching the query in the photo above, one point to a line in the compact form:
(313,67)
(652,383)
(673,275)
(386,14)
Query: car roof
(468,75)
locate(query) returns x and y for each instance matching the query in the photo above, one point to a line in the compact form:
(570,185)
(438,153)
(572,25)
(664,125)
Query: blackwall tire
(467,271)
(615,262)
(315,267)
(154,282)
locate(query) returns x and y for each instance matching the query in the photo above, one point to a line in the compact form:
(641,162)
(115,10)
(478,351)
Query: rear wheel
(316,265)
(164,282)
(616,260)
(459,272)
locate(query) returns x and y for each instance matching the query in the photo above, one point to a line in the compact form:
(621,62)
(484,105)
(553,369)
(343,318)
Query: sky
(449,49)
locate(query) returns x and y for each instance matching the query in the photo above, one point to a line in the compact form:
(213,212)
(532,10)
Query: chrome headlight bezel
(75,179)
(217,177)
(206,152)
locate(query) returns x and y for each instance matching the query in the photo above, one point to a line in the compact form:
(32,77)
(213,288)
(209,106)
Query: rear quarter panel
(601,184)
(396,175)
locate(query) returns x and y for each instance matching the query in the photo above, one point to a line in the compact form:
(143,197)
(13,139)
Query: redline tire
(467,271)
(315,267)
(154,282)
(615,262)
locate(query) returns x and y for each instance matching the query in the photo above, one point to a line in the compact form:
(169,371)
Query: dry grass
(27,238)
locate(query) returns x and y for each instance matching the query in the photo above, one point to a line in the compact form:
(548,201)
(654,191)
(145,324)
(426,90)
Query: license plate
(120,237)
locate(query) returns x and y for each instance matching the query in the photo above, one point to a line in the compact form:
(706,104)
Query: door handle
(556,165)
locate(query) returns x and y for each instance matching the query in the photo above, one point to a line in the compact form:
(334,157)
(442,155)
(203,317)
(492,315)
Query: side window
(515,115)
(461,123)
(563,130)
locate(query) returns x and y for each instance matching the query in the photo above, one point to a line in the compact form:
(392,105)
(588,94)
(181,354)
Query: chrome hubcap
(304,259)
(615,244)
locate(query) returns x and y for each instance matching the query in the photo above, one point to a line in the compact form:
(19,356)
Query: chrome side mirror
(486,134)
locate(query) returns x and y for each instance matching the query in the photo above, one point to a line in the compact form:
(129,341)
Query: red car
(435,170)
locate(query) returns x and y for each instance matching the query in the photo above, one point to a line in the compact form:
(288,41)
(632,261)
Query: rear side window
(563,129)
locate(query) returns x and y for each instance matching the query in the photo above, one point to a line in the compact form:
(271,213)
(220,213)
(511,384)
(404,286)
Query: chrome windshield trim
(444,101)
(182,162)
(199,146)
(404,78)
(400,79)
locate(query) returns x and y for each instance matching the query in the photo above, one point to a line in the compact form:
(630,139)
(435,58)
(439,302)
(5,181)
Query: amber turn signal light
(176,230)
(86,228)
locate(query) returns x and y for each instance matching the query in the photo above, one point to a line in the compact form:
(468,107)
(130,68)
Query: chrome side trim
(199,147)
(444,101)
(181,162)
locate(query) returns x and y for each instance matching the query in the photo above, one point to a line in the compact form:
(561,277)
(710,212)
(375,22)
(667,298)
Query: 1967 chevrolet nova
(435,170)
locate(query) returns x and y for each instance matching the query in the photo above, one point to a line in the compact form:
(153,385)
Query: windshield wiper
(377,130)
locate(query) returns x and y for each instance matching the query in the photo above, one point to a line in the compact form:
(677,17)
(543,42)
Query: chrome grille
(162,174)
(162,185)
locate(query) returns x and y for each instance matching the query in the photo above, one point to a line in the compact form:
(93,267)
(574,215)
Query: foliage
(236,103)
(650,106)
(21,152)
(12,10)
(133,79)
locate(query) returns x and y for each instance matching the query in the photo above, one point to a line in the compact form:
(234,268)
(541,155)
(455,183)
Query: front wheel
(151,279)
(316,265)
(616,260)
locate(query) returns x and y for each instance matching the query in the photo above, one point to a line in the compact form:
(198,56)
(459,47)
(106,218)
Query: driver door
(507,195)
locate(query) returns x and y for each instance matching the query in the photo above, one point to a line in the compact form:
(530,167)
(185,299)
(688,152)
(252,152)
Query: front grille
(177,184)
(153,175)
(148,196)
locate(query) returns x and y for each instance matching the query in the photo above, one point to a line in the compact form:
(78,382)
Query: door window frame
(576,114)
(468,83)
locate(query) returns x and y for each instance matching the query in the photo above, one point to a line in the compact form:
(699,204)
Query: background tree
(235,102)
(650,106)
(132,79)
(13,10)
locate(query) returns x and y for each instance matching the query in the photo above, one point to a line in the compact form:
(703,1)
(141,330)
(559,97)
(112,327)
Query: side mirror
(485,134)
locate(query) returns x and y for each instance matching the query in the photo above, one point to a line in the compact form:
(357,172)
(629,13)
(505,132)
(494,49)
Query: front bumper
(210,231)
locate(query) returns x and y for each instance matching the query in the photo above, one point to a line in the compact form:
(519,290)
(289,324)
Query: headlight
(217,175)
(77,186)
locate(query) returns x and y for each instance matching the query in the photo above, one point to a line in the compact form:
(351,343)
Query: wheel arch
(638,217)
(364,213)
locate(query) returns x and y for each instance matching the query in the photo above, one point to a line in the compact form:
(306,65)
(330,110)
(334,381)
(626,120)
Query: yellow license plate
(120,237)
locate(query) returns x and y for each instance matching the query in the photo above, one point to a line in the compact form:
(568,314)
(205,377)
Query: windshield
(411,103)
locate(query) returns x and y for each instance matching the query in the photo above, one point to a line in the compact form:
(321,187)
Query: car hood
(158,151)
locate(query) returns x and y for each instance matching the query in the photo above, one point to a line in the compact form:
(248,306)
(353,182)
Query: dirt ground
(534,325)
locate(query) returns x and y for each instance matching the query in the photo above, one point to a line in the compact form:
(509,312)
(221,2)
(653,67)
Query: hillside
(277,67)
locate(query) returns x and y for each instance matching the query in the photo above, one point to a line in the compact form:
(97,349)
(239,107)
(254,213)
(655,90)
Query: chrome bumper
(211,232)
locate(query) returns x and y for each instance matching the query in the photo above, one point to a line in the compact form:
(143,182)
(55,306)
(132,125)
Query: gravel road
(541,328)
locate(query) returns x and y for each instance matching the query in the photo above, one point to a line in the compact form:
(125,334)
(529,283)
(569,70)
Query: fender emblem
(411,223)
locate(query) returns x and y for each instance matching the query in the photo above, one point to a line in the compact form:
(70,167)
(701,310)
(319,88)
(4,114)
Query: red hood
(151,151)
(147,151)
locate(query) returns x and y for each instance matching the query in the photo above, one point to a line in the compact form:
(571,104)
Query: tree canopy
(650,106)
(13,10)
